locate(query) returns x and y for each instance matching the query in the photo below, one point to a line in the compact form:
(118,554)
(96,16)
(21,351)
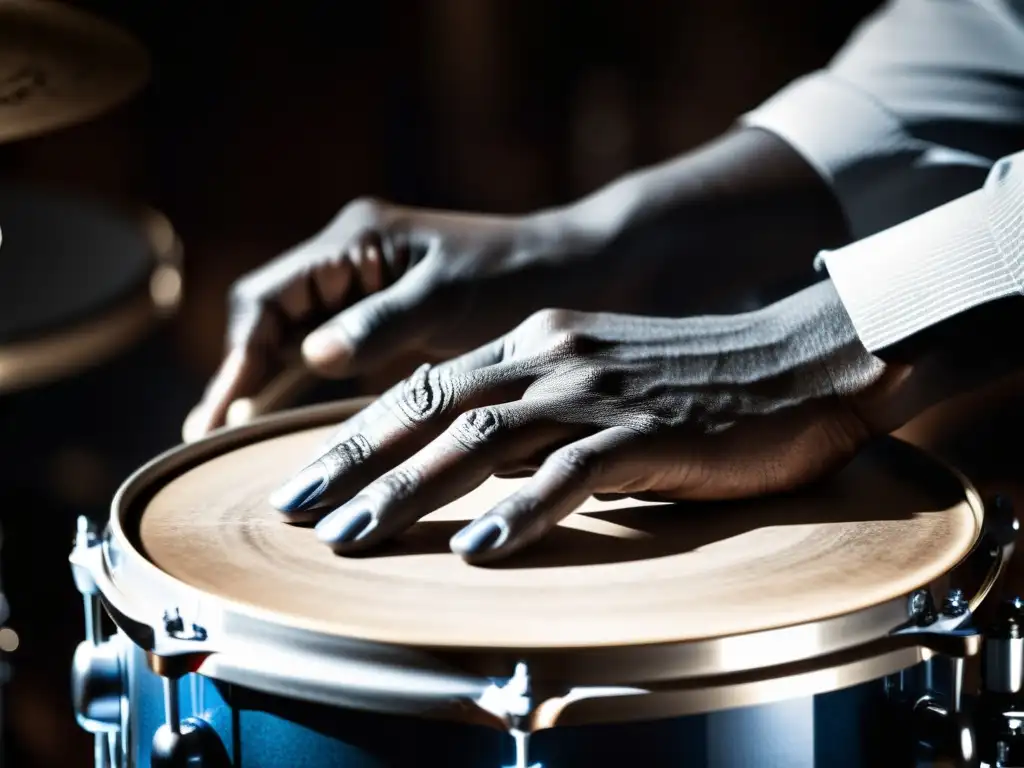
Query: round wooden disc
(614,573)
(60,66)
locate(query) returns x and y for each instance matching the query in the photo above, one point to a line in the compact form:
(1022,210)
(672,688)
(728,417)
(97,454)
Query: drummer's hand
(700,408)
(381,281)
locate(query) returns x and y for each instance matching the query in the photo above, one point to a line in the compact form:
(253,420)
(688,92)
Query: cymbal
(60,66)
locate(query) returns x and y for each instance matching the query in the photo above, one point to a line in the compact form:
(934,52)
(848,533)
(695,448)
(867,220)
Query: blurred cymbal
(60,66)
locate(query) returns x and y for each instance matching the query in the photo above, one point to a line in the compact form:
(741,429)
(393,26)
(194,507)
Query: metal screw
(955,603)
(920,607)
(174,625)
(172,621)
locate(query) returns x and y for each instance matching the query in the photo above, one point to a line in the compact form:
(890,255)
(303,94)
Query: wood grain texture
(614,573)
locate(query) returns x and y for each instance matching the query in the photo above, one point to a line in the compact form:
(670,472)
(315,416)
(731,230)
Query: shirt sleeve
(914,110)
(954,258)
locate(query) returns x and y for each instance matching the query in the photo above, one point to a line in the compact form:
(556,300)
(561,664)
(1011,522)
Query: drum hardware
(97,687)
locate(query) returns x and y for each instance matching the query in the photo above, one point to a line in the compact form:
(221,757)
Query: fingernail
(321,346)
(344,525)
(301,490)
(480,535)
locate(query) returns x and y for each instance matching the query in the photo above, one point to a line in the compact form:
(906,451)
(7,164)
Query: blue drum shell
(856,727)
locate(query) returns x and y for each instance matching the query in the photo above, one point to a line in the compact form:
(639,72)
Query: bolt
(955,603)
(174,625)
(921,608)
(85,534)
(172,621)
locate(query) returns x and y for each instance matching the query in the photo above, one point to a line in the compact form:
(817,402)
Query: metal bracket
(512,703)
(174,647)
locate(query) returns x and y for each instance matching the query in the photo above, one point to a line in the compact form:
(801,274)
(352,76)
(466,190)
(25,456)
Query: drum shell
(856,727)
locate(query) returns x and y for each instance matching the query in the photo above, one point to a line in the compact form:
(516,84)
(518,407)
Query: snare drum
(823,628)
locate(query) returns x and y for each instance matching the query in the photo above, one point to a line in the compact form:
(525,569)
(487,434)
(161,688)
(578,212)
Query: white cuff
(937,265)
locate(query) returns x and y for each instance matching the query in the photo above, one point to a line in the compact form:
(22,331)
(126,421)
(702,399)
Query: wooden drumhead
(622,573)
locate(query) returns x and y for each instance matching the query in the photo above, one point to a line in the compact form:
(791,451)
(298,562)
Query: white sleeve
(928,270)
(913,112)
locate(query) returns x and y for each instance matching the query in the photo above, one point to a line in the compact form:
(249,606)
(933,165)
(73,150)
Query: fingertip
(196,425)
(325,351)
(241,412)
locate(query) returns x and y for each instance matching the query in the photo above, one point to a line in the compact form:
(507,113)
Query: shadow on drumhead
(890,481)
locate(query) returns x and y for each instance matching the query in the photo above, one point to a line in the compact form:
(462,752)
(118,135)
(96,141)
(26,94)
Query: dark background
(260,121)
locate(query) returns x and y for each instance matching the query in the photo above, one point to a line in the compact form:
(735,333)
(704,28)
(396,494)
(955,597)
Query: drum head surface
(614,573)
(63,262)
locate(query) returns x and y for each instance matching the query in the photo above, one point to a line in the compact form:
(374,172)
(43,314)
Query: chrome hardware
(1001,703)
(179,629)
(512,703)
(921,608)
(955,604)
(1003,657)
(951,734)
(193,743)
(97,685)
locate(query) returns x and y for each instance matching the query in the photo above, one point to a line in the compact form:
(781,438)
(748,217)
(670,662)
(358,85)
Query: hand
(700,408)
(381,281)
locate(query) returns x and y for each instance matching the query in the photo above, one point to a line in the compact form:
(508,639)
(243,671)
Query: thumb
(372,332)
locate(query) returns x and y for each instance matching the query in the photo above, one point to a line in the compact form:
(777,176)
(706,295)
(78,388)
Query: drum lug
(174,646)
(949,632)
(97,686)
(512,703)
(97,681)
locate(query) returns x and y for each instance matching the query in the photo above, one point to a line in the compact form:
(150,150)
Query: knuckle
(477,427)
(399,483)
(580,463)
(423,395)
(346,455)
(364,211)
(644,423)
(547,321)
(583,378)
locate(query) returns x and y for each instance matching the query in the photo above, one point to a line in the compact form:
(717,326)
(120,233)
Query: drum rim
(102,29)
(76,346)
(248,647)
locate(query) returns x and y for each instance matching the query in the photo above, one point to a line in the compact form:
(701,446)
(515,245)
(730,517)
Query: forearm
(737,213)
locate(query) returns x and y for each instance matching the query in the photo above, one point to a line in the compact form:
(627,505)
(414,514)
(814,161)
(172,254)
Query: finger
(379,328)
(563,482)
(281,392)
(452,465)
(482,357)
(415,413)
(371,274)
(242,372)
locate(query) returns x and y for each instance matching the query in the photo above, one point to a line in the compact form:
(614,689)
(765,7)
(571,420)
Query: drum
(829,627)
